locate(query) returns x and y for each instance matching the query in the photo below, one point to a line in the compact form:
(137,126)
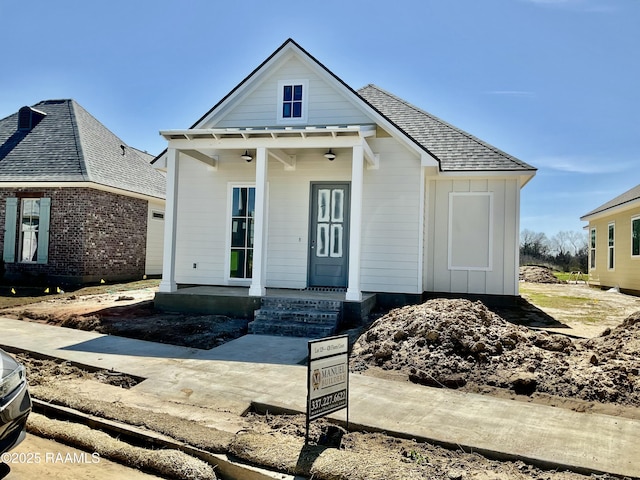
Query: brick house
(77,204)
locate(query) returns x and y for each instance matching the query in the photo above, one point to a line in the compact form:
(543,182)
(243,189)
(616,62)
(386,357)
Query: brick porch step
(296,317)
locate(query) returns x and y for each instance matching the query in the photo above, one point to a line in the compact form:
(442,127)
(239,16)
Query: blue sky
(552,82)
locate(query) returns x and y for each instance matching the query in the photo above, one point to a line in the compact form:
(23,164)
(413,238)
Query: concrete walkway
(268,370)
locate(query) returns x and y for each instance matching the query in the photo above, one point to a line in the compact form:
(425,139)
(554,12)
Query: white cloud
(584,165)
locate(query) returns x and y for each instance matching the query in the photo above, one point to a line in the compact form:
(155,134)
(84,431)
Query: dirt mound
(462,344)
(536,274)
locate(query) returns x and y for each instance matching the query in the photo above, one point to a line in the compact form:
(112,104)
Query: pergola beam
(212,161)
(289,161)
(373,159)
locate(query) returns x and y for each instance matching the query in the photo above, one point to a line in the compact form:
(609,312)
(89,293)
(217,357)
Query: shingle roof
(627,197)
(455,149)
(69,145)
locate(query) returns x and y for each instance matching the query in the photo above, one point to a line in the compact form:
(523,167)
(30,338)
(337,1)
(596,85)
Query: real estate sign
(327,376)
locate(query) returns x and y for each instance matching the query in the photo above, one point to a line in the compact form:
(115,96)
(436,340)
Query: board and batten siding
(326,105)
(155,239)
(443,272)
(626,271)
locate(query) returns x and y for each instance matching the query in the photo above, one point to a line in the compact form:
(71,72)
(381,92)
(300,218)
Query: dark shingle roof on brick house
(455,149)
(628,197)
(68,144)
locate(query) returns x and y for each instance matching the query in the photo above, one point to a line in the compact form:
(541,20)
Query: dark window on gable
(292,101)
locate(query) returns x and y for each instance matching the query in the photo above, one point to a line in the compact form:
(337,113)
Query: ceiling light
(330,155)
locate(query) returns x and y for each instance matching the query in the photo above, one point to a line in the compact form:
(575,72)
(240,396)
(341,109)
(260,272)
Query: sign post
(327,377)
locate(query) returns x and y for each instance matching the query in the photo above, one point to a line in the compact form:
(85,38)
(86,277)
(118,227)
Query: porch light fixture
(246,156)
(330,155)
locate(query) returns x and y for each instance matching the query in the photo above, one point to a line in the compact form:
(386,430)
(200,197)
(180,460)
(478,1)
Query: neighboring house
(296,181)
(614,243)
(77,204)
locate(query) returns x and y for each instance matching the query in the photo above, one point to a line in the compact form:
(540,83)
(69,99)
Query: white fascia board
(428,160)
(269,143)
(95,186)
(612,211)
(488,173)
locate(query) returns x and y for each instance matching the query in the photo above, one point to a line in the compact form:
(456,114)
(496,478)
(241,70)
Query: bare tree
(533,244)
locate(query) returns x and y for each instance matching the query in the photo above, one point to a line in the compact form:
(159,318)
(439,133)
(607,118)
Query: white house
(296,181)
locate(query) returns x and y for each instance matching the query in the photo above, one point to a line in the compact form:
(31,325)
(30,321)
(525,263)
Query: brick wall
(92,235)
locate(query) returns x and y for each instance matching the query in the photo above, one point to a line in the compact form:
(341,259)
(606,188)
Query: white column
(168,283)
(257,288)
(355,225)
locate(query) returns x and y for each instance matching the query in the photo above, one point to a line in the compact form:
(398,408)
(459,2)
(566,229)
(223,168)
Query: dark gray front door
(329,235)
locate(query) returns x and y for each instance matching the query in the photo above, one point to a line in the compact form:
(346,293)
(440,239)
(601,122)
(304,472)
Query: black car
(15,405)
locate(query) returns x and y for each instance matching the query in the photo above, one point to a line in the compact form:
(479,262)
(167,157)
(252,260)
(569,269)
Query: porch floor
(236,301)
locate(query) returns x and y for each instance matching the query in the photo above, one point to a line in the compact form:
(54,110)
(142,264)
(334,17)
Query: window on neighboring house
(635,237)
(242,218)
(611,262)
(592,248)
(27,230)
(292,95)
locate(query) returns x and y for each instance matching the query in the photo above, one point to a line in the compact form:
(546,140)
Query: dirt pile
(536,274)
(462,344)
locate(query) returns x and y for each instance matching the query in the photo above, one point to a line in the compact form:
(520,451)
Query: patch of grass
(25,295)
(583,309)
(542,300)
(566,276)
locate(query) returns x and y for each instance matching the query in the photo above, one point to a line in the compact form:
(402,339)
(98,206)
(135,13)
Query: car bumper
(14,410)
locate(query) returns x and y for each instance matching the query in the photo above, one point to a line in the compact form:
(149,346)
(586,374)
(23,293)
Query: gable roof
(455,149)
(626,199)
(68,144)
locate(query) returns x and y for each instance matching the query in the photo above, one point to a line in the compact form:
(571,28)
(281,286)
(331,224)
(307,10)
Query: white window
(242,221)
(612,242)
(592,248)
(635,237)
(292,101)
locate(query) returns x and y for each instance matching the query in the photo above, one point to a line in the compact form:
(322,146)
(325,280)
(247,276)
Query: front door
(329,235)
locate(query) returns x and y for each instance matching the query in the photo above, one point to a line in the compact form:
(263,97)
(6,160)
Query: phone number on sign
(49,457)
(328,402)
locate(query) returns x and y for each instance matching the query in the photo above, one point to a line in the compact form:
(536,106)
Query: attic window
(29,117)
(292,101)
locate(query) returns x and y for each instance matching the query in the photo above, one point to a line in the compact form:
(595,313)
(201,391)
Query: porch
(236,301)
